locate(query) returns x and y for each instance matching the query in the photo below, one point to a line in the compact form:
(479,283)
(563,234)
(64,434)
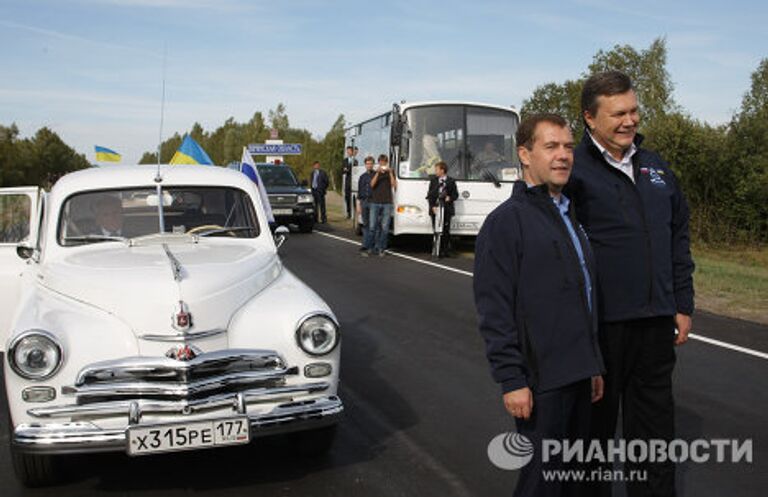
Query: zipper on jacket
(552,210)
(646,231)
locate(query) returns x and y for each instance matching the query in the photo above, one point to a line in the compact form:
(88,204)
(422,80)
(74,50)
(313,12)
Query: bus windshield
(476,143)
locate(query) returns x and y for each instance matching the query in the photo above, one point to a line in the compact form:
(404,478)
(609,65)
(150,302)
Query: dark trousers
(639,357)
(319,197)
(560,414)
(445,241)
(348,202)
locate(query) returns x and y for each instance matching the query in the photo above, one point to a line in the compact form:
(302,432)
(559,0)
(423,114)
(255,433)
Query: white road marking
(396,254)
(730,346)
(711,341)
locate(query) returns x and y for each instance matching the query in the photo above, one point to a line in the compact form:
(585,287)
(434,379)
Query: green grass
(732,281)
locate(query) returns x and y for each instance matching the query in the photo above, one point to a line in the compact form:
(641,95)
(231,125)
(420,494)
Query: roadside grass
(732,281)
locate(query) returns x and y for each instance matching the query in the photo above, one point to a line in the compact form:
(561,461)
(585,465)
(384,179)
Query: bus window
(491,145)
(436,134)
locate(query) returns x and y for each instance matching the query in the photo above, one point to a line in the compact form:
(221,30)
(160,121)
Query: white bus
(477,141)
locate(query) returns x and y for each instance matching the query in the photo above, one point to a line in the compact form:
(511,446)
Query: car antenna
(158,177)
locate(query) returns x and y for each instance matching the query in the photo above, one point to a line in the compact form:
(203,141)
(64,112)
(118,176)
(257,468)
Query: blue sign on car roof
(274,148)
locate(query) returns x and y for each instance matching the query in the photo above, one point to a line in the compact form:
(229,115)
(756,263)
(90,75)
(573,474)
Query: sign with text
(274,148)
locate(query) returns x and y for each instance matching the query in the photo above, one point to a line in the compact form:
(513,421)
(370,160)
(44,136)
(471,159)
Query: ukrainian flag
(104,154)
(190,153)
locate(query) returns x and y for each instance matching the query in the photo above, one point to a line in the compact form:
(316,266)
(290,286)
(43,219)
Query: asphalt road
(420,405)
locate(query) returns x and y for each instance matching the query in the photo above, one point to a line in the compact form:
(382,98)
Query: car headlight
(35,355)
(317,335)
(409,209)
(305,198)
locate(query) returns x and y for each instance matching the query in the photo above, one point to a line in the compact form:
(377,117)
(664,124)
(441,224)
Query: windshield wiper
(95,238)
(225,230)
(488,175)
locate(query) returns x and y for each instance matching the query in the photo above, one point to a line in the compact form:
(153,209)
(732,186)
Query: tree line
(225,144)
(39,160)
(723,169)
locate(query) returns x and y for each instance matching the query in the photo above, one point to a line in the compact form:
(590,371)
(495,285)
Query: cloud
(71,37)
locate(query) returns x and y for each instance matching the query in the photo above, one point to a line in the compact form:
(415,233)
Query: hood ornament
(183,352)
(182,318)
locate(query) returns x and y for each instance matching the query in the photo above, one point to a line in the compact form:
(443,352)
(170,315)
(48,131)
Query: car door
(19,208)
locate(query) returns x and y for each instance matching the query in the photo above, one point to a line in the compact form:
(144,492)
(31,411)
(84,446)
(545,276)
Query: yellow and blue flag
(104,154)
(190,152)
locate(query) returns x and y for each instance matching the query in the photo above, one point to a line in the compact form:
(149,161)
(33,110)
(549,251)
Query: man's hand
(683,324)
(519,403)
(598,387)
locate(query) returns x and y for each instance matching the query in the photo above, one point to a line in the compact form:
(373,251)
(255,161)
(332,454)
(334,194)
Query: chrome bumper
(83,437)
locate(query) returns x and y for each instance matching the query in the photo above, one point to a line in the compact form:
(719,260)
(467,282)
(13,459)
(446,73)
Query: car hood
(287,189)
(139,284)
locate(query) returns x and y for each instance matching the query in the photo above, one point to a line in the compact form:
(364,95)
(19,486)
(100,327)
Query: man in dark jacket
(319,183)
(346,173)
(363,209)
(443,193)
(631,206)
(535,301)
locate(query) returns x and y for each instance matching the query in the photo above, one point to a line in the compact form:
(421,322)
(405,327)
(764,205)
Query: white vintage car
(147,310)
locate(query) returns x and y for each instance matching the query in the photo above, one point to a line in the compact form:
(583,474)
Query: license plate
(282,212)
(464,226)
(186,436)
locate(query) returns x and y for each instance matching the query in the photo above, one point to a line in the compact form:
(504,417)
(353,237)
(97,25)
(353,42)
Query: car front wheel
(34,470)
(306,226)
(315,443)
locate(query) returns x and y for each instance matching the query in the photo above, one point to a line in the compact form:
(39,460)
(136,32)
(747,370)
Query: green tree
(278,118)
(648,71)
(747,154)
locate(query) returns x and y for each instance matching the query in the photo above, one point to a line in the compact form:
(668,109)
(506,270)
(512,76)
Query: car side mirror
(304,183)
(281,233)
(25,251)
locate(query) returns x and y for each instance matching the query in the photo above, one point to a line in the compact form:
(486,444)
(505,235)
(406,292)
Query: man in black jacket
(536,304)
(319,183)
(443,193)
(346,173)
(631,206)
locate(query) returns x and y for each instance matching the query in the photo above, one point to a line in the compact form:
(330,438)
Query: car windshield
(277,176)
(114,215)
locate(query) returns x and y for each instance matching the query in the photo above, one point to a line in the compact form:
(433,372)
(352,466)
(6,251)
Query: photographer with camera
(383,183)
(441,195)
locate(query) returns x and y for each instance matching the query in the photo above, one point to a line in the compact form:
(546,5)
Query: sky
(92,70)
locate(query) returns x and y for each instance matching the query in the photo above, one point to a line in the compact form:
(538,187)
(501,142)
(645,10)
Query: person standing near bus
(383,183)
(319,182)
(535,299)
(346,172)
(443,193)
(636,216)
(363,203)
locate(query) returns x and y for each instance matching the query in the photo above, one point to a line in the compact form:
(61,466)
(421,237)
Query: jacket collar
(586,140)
(520,187)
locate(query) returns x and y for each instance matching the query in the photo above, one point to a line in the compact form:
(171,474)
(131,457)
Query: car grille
(282,200)
(233,377)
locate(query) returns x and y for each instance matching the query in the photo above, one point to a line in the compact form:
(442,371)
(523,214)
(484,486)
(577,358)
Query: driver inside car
(108,211)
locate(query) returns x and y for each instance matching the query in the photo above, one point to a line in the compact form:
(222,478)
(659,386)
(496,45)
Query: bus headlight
(317,335)
(409,209)
(35,355)
(304,198)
